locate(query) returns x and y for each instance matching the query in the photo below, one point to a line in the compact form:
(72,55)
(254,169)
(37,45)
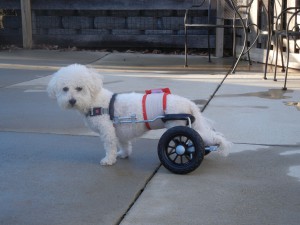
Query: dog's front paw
(106,161)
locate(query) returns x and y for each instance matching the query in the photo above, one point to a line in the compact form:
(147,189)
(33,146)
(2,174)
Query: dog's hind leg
(125,149)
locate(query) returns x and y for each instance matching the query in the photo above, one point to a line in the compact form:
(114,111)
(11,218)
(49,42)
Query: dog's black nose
(72,102)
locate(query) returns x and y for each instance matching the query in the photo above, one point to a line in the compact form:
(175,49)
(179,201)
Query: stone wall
(103,24)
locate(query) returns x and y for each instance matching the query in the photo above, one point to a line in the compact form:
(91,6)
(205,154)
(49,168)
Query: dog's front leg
(111,154)
(109,138)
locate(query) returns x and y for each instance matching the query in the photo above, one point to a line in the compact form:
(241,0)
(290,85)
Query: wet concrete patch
(292,154)
(270,94)
(200,101)
(295,104)
(294,171)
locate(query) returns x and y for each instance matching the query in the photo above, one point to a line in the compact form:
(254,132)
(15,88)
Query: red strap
(166,91)
(158,90)
(165,102)
(144,111)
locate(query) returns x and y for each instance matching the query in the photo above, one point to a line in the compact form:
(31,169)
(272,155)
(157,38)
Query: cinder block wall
(103,24)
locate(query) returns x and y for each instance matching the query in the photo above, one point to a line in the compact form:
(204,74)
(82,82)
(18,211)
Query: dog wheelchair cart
(181,148)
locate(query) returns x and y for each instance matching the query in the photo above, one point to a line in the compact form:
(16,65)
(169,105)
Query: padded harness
(154,104)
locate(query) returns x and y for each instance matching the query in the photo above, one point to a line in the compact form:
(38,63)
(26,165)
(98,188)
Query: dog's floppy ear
(51,89)
(96,82)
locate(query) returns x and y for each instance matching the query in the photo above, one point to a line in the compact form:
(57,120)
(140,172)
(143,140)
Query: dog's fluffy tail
(210,137)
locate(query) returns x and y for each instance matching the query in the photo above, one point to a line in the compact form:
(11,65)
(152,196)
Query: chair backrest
(199,3)
(288,25)
(236,6)
(226,10)
(293,23)
(289,19)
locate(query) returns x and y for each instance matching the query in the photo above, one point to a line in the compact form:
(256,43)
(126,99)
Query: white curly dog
(81,88)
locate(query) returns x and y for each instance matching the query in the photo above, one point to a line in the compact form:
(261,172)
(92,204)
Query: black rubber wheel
(181,149)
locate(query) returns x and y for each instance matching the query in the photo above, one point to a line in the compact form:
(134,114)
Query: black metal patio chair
(235,11)
(268,7)
(288,29)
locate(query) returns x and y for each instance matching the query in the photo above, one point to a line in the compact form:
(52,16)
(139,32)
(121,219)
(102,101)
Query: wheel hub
(180,149)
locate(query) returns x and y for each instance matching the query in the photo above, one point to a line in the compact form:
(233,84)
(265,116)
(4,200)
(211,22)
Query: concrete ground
(49,161)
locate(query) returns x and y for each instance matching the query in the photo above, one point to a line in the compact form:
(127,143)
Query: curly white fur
(81,88)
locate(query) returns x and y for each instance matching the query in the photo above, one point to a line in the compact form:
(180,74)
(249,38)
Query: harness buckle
(92,111)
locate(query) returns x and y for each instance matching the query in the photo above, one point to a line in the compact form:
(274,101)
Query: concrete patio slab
(255,185)
(49,160)
(57,179)
(257,111)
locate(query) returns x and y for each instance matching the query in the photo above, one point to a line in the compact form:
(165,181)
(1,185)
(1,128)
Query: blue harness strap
(111,108)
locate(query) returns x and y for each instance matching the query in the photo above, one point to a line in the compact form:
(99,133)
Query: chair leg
(208,30)
(208,44)
(234,48)
(249,59)
(248,52)
(268,52)
(185,46)
(285,79)
(287,63)
(276,58)
(282,61)
(234,44)
(235,62)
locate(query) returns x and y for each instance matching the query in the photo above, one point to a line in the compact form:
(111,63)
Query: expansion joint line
(138,194)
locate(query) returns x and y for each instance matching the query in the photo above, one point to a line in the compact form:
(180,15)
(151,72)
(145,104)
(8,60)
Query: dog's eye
(79,89)
(65,89)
